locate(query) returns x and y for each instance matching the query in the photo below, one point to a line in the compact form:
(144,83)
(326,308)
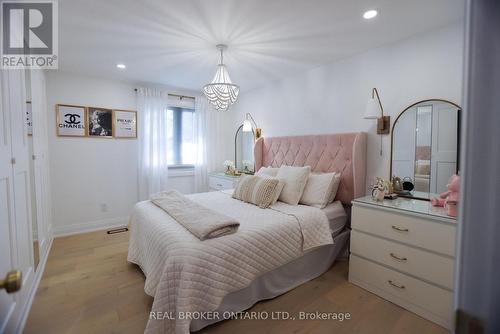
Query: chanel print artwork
(70,120)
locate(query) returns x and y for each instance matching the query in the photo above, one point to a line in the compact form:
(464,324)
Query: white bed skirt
(280,280)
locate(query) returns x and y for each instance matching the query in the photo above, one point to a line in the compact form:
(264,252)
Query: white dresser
(221,181)
(404,251)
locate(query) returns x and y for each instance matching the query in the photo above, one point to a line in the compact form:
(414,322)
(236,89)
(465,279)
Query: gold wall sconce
(250,124)
(374,110)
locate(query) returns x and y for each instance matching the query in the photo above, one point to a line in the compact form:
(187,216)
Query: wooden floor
(88,287)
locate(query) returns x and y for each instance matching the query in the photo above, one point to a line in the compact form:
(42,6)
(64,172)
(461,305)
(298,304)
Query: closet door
(39,157)
(21,181)
(19,218)
(444,146)
(7,240)
(403,159)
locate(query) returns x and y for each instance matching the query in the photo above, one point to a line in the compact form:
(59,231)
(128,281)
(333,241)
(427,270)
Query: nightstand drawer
(422,298)
(429,266)
(409,229)
(219,183)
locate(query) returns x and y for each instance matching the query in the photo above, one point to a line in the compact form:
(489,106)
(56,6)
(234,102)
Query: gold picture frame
(75,131)
(101,127)
(117,130)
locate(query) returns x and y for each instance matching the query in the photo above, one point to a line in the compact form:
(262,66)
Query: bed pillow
(319,189)
(281,184)
(295,179)
(270,171)
(335,187)
(256,190)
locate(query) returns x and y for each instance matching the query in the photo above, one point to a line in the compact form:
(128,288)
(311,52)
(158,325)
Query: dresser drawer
(417,296)
(219,183)
(429,266)
(412,230)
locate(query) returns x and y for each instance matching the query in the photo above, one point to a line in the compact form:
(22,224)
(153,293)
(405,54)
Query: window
(180,136)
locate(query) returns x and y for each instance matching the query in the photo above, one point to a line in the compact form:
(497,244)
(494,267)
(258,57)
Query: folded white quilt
(184,274)
(197,219)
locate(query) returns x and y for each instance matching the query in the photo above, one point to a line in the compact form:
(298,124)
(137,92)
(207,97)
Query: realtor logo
(29,34)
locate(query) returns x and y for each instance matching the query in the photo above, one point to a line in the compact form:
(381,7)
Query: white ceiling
(173,42)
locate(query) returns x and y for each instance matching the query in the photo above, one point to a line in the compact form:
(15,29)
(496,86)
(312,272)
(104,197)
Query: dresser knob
(396,285)
(400,229)
(394,256)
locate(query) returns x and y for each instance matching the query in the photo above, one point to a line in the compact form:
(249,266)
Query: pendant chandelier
(221,92)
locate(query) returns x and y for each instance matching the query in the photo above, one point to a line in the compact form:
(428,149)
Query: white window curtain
(153,169)
(206,137)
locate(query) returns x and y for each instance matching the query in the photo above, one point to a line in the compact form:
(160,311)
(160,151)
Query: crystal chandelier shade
(221,92)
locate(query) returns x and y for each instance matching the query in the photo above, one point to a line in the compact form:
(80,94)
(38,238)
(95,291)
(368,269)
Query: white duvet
(184,274)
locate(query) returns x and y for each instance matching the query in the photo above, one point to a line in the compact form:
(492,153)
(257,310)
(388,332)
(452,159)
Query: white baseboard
(34,288)
(96,225)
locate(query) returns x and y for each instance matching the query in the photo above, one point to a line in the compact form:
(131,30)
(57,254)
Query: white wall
(94,180)
(332,98)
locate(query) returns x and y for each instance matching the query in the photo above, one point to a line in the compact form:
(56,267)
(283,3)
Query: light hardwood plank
(89,287)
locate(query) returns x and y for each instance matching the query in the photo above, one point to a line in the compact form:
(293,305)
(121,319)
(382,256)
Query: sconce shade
(247,126)
(373,110)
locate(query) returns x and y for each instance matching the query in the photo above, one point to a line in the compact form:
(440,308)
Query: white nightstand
(221,181)
(404,251)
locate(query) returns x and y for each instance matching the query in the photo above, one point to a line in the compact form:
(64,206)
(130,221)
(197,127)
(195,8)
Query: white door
(444,145)
(7,301)
(15,207)
(39,156)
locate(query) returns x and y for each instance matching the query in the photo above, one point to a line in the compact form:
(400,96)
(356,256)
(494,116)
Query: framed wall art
(70,121)
(124,124)
(100,122)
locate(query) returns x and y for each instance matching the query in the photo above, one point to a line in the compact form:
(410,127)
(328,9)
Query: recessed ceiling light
(121,66)
(370,14)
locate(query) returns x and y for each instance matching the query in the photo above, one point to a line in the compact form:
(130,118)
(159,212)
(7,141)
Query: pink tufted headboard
(344,152)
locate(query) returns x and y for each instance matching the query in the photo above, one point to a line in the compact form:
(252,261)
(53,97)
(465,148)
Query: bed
(196,283)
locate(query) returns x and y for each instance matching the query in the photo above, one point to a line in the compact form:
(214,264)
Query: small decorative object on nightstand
(380,189)
(404,251)
(222,181)
(246,164)
(229,164)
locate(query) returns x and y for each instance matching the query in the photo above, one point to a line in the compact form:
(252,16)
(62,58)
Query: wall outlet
(104,207)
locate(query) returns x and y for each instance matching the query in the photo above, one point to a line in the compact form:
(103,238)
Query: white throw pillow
(319,189)
(295,179)
(270,171)
(335,187)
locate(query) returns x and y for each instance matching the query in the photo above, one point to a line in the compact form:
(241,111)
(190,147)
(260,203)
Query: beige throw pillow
(279,188)
(256,190)
(270,171)
(318,189)
(295,179)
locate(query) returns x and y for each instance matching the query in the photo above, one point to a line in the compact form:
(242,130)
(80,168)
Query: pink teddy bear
(449,199)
